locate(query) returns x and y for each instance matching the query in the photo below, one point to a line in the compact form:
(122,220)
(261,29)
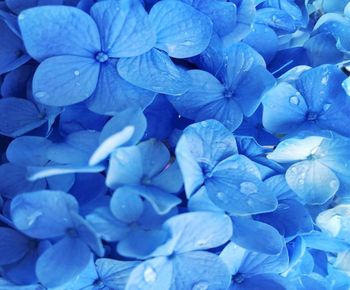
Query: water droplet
(200,286)
(248,187)
(77,84)
(201,243)
(76,73)
(149,275)
(333,183)
(41,95)
(21,16)
(221,196)
(204,124)
(32,218)
(324,80)
(101,57)
(326,107)
(294,100)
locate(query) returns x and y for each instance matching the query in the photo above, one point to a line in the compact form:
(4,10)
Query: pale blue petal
(124,27)
(156,72)
(181,30)
(65,80)
(42,29)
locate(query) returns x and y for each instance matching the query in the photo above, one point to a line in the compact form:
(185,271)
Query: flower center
(101,57)
(228,93)
(238,278)
(311,116)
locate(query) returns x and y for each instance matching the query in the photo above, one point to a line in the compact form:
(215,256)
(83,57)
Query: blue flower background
(174,145)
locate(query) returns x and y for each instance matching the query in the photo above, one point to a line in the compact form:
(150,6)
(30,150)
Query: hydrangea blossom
(174,144)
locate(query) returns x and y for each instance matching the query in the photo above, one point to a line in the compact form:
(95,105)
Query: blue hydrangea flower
(232,181)
(230,94)
(319,165)
(182,262)
(54,215)
(82,65)
(315,101)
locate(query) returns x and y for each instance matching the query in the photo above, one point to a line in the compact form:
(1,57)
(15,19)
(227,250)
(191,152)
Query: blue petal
(18,5)
(13,181)
(161,201)
(240,192)
(186,40)
(290,218)
(61,182)
(189,233)
(288,104)
(43,214)
(200,201)
(246,232)
(113,94)
(106,225)
(261,282)
(170,179)
(156,72)
(152,274)
(28,150)
(19,116)
(191,271)
(114,273)
(13,246)
(62,262)
(276,19)
(76,148)
(129,117)
(126,205)
(312,181)
(155,156)
(65,80)
(125,167)
(141,243)
(12,52)
(36,172)
(110,144)
(323,242)
(42,29)
(124,28)
(195,153)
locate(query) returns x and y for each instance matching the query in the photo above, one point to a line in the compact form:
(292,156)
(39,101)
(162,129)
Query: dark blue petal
(13,246)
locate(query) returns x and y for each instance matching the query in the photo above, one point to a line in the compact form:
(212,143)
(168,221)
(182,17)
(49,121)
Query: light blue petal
(124,27)
(113,94)
(170,179)
(200,201)
(261,282)
(19,116)
(62,262)
(199,269)
(251,88)
(188,232)
(239,192)
(129,117)
(155,157)
(43,214)
(323,242)
(188,39)
(76,148)
(152,274)
(156,72)
(126,205)
(141,243)
(161,201)
(28,150)
(295,149)
(13,246)
(312,181)
(42,29)
(65,80)
(61,182)
(196,155)
(36,172)
(276,19)
(125,167)
(246,232)
(114,273)
(106,225)
(288,104)
(110,144)
(13,181)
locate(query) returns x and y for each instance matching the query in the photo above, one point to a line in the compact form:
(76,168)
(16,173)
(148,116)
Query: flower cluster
(175,145)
